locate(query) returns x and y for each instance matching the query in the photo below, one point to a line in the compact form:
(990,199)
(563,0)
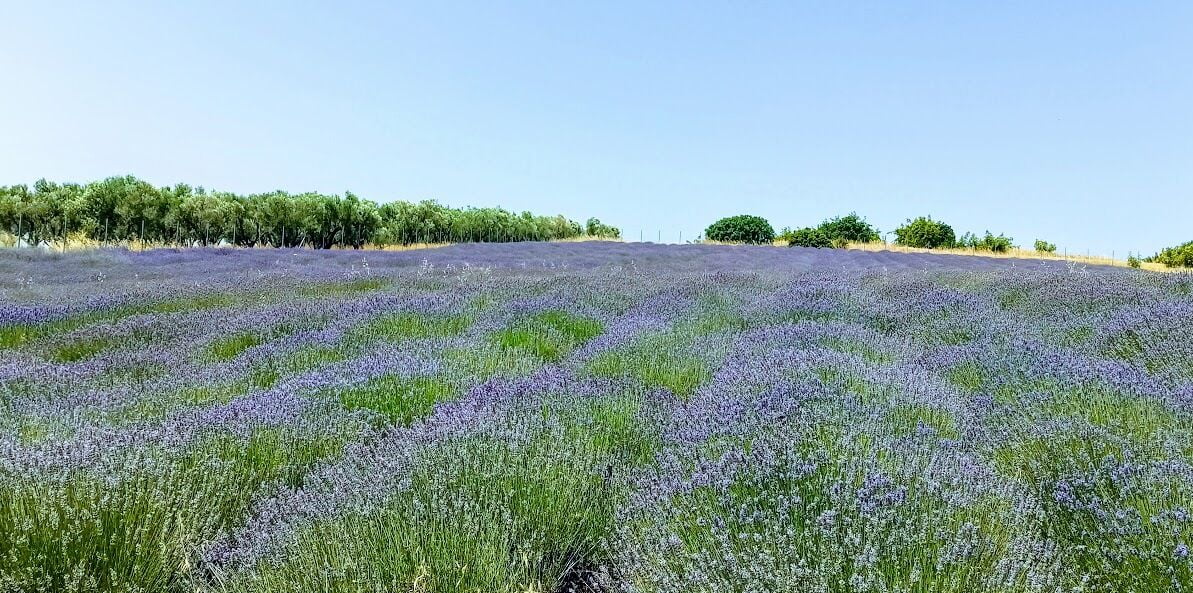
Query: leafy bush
(926,233)
(1045,247)
(989,242)
(596,228)
(1000,244)
(1180,256)
(1133,261)
(743,228)
(808,237)
(850,228)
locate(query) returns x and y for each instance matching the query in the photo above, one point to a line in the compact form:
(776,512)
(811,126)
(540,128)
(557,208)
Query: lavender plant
(597,417)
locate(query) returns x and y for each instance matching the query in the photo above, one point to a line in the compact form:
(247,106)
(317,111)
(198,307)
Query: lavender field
(600,417)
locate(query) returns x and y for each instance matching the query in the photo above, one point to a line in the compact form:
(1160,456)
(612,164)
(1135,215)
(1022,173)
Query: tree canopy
(925,232)
(1180,256)
(743,228)
(807,237)
(121,209)
(848,229)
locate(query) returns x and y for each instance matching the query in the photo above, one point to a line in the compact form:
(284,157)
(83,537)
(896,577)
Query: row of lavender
(600,417)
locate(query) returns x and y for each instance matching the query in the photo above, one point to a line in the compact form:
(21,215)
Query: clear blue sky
(1071,121)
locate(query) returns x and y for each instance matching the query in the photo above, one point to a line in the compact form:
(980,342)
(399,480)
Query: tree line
(923,232)
(126,209)
(840,231)
(1180,256)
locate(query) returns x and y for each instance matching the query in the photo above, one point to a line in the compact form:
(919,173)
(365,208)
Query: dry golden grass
(777,243)
(412,246)
(1016,253)
(80,242)
(586,239)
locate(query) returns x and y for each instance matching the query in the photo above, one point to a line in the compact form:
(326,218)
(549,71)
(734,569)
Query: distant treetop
(807,237)
(925,233)
(1180,256)
(743,228)
(849,229)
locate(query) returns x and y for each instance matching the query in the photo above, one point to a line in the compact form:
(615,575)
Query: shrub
(743,228)
(1180,256)
(808,237)
(1045,247)
(989,242)
(999,244)
(926,233)
(1133,261)
(596,228)
(850,228)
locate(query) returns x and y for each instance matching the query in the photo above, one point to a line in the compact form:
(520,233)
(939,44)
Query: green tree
(1180,256)
(357,220)
(596,228)
(127,209)
(925,233)
(202,218)
(988,242)
(743,228)
(808,237)
(16,203)
(849,229)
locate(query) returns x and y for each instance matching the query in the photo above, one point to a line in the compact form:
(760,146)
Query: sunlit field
(600,417)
